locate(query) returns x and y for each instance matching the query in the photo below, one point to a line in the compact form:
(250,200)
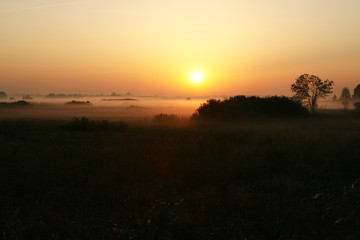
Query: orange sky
(151,47)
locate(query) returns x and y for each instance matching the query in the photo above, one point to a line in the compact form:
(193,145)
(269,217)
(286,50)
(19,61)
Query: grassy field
(274,179)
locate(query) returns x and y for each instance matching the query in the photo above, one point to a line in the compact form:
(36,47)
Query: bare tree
(345,97)
(309,88)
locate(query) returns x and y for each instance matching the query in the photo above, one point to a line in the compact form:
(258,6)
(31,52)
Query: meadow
(179,179)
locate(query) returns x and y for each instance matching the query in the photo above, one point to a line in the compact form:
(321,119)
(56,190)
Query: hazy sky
(152,46)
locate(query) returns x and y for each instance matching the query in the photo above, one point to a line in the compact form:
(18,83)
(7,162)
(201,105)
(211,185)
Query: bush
(79,103)
(162,117)
(21,103)
(84,124)
(242,107)
(357,106)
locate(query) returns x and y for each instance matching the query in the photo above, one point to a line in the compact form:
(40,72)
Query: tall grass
(283,179)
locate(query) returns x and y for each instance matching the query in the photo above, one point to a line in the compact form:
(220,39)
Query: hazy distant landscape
(140,108)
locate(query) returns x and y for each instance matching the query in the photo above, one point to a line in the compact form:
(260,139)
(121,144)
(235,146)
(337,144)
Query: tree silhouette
(345,97)
(309,88)
(357,92)
(242,107)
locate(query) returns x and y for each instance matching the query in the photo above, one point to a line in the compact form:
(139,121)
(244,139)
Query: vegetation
(84,124)
(309,88)
(162,117)
(21,103)
(357,92)
(241,107)
(119,99)
(357,106)
(283,179)
(63,95)
(345,97)
(82,103)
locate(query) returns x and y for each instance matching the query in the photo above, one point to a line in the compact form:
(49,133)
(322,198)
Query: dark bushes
(162,117)
(16,104)
(357,106)
(242,107)
(84,124)
(79,103)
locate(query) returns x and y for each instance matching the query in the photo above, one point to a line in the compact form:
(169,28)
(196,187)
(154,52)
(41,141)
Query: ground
(270,179)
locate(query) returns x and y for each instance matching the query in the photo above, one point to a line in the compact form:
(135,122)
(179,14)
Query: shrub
(357,106)
(84,124)
(79,103)
(162,117)
(21,103)
(242,107)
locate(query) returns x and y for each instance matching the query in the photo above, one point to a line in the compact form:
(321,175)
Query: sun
(197,77)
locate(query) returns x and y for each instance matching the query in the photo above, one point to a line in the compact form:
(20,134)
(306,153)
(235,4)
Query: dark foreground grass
(289,179)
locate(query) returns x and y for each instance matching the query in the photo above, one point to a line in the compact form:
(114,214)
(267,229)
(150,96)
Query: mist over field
(117,107)
(105,107)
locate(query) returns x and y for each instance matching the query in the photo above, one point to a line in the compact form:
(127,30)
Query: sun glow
(197,77)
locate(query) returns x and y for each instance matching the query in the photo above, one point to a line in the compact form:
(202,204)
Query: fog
(115,107)
(109,108)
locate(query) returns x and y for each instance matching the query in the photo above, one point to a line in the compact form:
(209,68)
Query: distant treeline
(242,107)
(73,102)
(118,99)
(63,95)
(15,104)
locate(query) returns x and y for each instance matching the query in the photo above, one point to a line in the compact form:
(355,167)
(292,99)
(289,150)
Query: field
(273,179)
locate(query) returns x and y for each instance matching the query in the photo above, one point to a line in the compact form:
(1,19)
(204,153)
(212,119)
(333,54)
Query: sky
(152,47)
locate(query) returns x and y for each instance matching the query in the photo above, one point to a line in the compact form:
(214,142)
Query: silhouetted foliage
(21,103)
(81,103)
(309,88)
(242,107)
(357,92)
(63,95)
(119,99)
(334,98)
(85,124)
(162,117)
(345,97)
(3,95)
(357,106)
(114,94)
(80,124)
